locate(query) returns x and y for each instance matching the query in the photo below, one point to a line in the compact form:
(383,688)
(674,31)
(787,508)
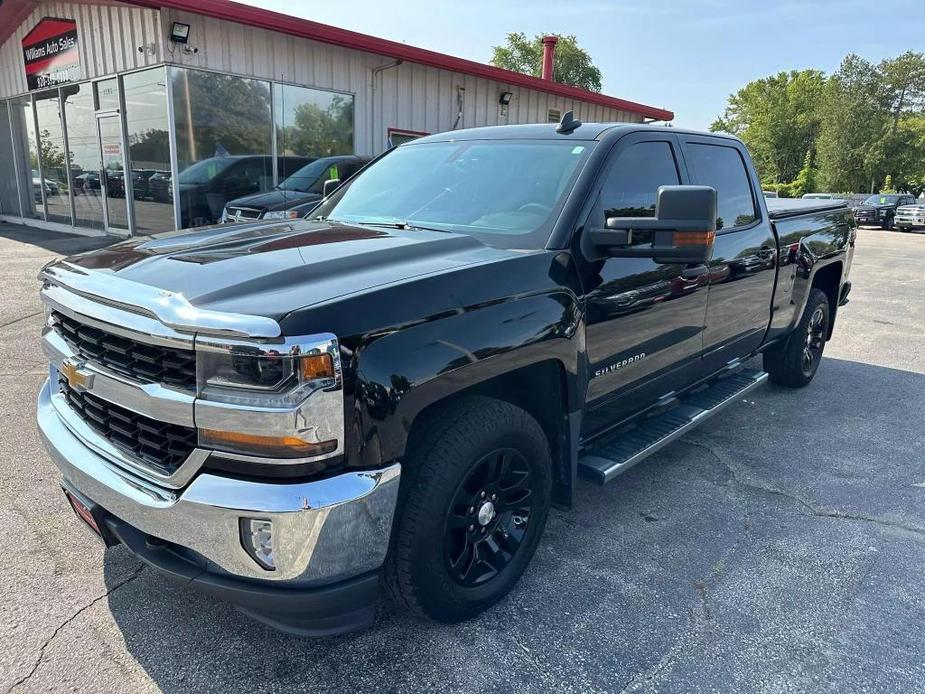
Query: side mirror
(682,230)
(330,186)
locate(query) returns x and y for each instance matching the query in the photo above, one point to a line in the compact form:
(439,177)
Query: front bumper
(324,531)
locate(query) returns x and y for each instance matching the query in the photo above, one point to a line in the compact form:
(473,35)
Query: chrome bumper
(324,531)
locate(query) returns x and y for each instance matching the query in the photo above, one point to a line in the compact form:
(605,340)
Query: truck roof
(547,131)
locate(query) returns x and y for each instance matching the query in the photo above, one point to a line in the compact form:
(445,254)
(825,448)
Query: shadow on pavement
(712,566)
(54,241)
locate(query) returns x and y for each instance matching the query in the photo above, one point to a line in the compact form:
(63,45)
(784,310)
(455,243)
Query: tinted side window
(723,168)
(631,186)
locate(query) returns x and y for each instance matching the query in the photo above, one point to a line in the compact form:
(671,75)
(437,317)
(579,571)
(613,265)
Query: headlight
(281,214)
(274,382)
(265,375)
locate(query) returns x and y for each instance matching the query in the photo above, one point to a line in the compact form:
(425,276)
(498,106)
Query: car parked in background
(821,196)
(208,185)
(140,178)
(297,195)
(160,186)
(770,194)
(880,210)
(51,187)
(910,216)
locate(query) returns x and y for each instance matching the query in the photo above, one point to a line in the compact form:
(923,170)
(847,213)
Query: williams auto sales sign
(50,53)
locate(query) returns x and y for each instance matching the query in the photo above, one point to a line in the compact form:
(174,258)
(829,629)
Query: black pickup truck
(289,415)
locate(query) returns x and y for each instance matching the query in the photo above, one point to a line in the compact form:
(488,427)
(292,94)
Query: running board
(615,454)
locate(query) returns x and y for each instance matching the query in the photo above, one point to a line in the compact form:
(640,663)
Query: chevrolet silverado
(289,415)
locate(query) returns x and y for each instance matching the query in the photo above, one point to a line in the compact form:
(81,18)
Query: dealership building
(113,113)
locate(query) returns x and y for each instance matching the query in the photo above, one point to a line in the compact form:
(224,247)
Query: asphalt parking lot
(780,548)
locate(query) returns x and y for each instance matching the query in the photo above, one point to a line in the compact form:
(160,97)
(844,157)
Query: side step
(618,452)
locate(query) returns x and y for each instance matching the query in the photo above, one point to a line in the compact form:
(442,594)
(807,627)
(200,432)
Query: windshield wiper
(397,224)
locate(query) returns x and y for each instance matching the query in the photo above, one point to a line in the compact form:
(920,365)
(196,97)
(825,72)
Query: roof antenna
(568,123)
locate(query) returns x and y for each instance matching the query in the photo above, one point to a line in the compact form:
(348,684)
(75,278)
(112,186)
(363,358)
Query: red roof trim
(304,28)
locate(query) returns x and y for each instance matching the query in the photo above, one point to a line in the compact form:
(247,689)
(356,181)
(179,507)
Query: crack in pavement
(21,318)
(38,661)
(808,506)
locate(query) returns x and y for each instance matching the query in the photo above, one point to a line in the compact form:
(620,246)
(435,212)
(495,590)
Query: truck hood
(272,269)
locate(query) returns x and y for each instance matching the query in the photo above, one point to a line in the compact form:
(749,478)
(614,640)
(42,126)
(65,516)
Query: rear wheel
(794,362)
(888,224)
(475,496)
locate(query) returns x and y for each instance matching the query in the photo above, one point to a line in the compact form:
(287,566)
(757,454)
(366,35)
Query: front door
(645,320)
(112,173)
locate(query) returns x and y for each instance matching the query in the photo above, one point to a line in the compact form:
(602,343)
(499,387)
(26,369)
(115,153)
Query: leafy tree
(902,85)
(778,118)
(853,121)
(320,132)
(572,64)
(221,111)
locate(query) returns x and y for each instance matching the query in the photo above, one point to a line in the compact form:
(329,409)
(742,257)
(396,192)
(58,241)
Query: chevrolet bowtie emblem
(76,378)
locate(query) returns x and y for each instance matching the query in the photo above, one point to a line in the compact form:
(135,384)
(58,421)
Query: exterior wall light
(179,32)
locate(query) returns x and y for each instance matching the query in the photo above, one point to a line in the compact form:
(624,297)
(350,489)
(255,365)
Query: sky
(685,56)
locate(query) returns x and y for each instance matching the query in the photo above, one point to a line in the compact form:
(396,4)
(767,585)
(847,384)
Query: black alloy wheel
(488,517)
(475,494)
(815,339)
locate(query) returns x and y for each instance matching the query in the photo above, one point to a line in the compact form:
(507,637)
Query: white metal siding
(108,39)
(408,97)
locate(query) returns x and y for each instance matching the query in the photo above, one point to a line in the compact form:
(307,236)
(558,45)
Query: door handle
(692,273)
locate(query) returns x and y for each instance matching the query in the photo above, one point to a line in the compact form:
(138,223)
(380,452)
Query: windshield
(881,200)
(506,193)
(305,179)
(205,170)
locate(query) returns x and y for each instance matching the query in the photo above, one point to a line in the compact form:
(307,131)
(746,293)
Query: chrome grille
(161,446)
(244,213)
(139,361)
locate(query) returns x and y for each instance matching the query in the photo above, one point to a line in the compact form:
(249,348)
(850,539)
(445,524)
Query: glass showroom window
(224,141)
(149,149)
(54,167)
(310,124)
(26,158)
(9,193)
(84,155)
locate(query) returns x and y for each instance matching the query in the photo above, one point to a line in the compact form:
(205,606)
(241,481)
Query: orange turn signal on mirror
(272,446)
(693,238)
(315,366)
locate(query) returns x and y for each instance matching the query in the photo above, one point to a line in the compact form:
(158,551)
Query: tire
(443,516)
(905,230)
(888,224)
(794,362)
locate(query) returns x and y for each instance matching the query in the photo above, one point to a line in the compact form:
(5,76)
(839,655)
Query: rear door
(743,268)
(644,320)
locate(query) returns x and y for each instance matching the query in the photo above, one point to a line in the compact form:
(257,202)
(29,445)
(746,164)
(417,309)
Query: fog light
(257,539)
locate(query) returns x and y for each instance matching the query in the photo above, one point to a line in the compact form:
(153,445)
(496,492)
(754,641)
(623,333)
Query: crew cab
(397,390)
(880,210)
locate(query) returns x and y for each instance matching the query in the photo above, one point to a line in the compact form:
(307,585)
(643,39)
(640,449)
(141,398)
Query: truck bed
(781,208)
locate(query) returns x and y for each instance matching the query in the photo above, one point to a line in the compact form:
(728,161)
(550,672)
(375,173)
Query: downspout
(372,98)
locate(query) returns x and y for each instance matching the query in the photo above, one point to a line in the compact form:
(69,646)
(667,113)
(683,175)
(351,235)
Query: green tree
(902,85)
(320,132)
(572,64)
(778,118)
(850,148)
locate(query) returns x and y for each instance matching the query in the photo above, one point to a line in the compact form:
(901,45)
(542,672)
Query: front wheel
(794,362)
(476,492)
(888,224)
